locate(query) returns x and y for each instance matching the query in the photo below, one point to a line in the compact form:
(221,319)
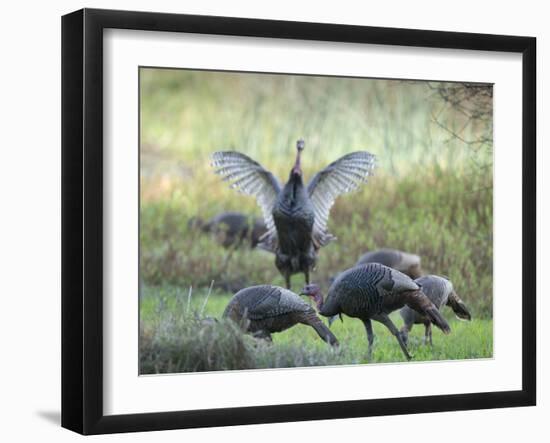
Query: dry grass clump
(204,344)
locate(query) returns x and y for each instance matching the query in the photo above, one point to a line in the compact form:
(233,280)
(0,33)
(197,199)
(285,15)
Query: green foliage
(181,337)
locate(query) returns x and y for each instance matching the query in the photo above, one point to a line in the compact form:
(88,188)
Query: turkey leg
(228,256)
(370,336)
(287,280)
(386,321)
(428,334)
(407,327)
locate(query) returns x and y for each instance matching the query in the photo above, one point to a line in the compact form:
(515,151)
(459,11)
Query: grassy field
(431,195)
(176,338)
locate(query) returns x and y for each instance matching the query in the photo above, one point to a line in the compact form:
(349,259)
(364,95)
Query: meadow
(431,195)
(179,334)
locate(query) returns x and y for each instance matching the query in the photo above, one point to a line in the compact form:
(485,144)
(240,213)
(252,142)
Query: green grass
(176,338)
(431,195)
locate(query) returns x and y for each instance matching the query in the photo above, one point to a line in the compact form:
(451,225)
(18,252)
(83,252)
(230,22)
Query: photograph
(266,221)
(299,220)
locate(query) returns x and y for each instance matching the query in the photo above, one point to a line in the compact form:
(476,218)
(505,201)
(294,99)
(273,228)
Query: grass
(431,195)
(177,337)
(441,219)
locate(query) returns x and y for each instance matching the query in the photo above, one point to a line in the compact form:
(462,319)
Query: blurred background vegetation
(431,193)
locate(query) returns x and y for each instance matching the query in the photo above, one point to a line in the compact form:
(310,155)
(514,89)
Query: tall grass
(186,115)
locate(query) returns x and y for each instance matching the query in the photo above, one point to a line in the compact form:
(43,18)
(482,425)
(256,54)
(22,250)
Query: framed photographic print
(269,221)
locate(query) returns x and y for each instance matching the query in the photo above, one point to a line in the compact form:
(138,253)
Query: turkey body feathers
(436,288)
(265,301)
(367,290)
(399,260)
(268,309)
(293,215)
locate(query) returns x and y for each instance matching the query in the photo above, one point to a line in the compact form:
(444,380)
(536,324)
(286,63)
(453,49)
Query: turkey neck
(326,309)
(297,186)
(295,179)
(297,169)
(319,301)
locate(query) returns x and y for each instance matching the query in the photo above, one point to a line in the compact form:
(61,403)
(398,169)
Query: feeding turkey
(441,292)
(231,229)
(265,309)
(372,292)
(296,215)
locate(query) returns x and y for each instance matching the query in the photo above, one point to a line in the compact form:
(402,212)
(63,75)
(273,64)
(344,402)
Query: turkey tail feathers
(420,302)
(458,307)
(437,319)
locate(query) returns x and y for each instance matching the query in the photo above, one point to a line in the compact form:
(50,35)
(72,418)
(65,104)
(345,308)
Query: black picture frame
(82,220)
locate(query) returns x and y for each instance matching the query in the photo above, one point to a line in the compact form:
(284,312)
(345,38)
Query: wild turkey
(231,228)
(440,291)
(296,216)
(405,262)
(372,292)
(267,309)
